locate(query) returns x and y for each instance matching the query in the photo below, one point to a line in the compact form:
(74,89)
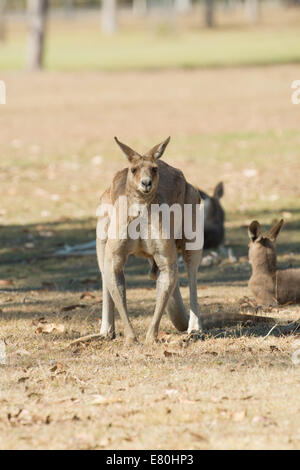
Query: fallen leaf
(69,401)
(25,417)
(22,416)
(238,415)
(87,295)
(6,282)
(50,328)
(207,261)
(72,307)
(22,379)
(286,304)
(48,419)
(58,367)
(250,172)
(48,285)
(171,392)
(29,245)
(247,397)
(104,442)
(6,299)
(170,353)
(35,395)
(102,400)
(197,436)
(274,348)
(89,281)
(264,420)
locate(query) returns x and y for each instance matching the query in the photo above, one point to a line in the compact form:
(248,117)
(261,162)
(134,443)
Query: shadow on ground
(27,257)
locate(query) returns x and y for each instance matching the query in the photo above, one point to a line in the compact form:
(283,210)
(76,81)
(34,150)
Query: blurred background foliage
(147,34)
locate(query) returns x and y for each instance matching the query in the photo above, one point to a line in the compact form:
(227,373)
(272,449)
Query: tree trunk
(252,11)
(37,13)
(139,7)
(109,16)
(68,6)
(181,6)
(2,19)
(209,13)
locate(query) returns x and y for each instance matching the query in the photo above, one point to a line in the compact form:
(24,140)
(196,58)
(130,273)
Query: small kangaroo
(214,218)
(269,285)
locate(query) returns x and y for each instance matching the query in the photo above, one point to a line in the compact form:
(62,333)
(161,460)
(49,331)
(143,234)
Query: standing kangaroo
(269,285)
(148,181)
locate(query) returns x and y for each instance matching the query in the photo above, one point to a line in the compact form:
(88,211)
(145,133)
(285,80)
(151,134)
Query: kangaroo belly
(263,289)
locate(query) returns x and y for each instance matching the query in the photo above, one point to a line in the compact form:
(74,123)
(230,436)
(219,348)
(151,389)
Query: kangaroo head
(262,252)
(214,213)
(143,175)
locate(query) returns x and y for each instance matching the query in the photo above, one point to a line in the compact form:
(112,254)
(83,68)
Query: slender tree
(68,6)
(109,16)
(37,15)
(182,6)
(209,13)
(2,19)
(252,11)
(139,7)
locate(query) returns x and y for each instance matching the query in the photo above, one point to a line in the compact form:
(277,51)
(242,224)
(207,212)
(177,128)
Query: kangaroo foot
(130,339)
(109,335)
(151,336)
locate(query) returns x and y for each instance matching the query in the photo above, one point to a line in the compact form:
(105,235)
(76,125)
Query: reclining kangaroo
(269,285)
(148,181)
(214,218)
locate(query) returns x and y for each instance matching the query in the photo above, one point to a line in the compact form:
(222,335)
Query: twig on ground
(273,328)
(285,329)
(85,339)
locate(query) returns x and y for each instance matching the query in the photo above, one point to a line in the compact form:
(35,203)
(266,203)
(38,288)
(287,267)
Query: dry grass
(233,390)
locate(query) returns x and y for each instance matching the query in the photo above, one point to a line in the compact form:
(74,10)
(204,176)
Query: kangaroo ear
(203,195)
(219,190)
(157,151)
(274,231)
(129,153)
(254,231)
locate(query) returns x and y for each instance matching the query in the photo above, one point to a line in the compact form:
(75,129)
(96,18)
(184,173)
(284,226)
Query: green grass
(86,49)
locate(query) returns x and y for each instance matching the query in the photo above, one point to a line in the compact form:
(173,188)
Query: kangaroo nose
(146,183)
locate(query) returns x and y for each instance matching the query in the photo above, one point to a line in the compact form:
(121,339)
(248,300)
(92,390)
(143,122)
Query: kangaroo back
(288,286)
(214,218)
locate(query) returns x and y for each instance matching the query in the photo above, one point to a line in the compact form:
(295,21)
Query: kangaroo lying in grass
(213,218)
(269,285)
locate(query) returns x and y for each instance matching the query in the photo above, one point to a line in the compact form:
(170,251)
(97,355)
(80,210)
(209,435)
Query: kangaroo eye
(154,169)
(133,171)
